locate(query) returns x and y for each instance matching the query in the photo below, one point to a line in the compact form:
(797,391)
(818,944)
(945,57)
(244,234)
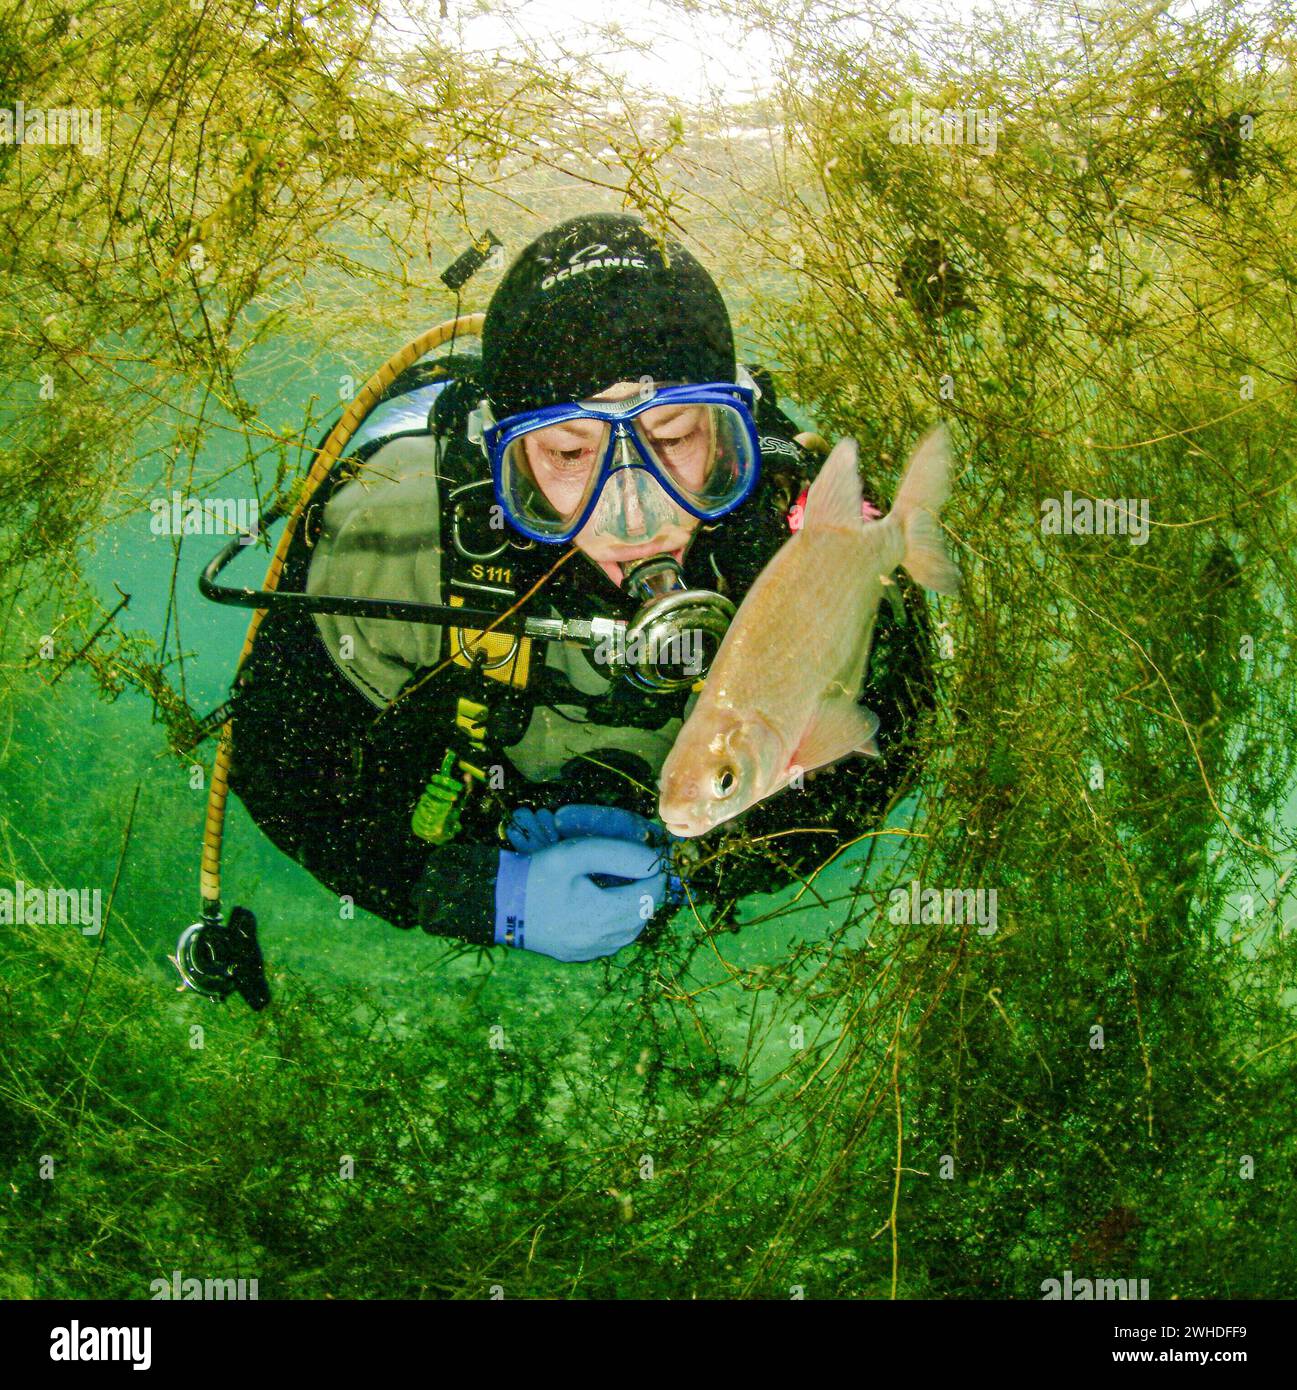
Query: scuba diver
(596,490)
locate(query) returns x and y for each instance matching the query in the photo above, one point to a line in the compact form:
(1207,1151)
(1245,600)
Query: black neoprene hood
(593,301)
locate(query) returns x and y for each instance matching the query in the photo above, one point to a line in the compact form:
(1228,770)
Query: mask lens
(548,473)
(703,449)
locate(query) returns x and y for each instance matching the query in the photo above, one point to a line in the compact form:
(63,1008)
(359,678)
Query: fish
(781,697)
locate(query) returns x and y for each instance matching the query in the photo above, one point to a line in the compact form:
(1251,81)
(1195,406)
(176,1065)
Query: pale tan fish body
(781,695)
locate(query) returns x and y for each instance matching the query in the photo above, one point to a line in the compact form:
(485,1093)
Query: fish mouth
(688,827)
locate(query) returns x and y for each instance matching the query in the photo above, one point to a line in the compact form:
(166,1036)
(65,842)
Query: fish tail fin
(924,488)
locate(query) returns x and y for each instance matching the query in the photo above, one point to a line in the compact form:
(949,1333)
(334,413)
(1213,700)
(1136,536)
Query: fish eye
(725,781)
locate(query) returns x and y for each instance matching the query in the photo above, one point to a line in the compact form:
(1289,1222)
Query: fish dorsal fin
(835,496)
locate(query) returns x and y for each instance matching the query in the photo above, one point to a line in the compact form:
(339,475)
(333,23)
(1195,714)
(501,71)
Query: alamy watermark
(1092,1290)
(951,906)
(61,125)
(77,1343)
(217,1290)
(683,650)
(1095,516)
(952,125)
(179,515)
(79,907)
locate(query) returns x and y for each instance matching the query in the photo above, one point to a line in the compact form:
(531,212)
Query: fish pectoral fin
(840,727)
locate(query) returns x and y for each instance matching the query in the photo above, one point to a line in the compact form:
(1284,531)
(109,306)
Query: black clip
(211,723)
(455,275)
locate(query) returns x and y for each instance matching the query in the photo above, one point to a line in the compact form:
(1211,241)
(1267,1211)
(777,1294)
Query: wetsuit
(339,724)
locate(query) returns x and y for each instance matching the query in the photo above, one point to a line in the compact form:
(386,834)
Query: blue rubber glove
(552,901)
(529,830)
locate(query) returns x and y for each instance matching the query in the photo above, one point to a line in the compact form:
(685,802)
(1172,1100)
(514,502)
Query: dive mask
(695,443)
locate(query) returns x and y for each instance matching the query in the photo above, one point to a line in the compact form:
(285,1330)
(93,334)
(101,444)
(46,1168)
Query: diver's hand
(552,901)
(528,830)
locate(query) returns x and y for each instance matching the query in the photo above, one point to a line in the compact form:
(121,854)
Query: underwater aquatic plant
(931,281)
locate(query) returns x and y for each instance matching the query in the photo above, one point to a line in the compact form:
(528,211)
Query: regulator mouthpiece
(673,639)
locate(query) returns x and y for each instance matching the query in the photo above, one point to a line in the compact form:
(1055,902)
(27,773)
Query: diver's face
(633,518)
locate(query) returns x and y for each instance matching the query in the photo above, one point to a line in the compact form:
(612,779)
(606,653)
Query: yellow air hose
(466,325)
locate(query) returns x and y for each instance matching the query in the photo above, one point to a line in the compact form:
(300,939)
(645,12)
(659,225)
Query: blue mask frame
(495,439)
